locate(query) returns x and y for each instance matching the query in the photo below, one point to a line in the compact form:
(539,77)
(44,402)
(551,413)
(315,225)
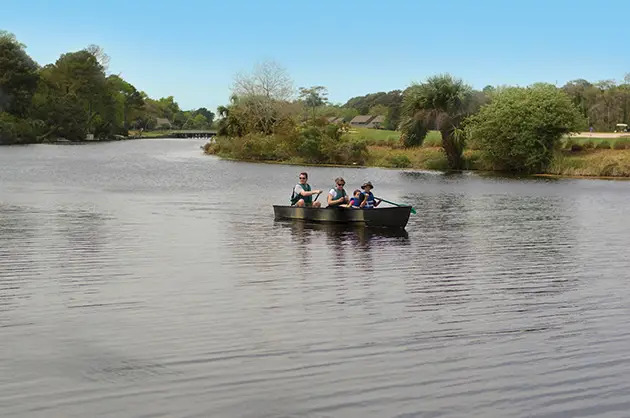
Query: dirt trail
(602,134)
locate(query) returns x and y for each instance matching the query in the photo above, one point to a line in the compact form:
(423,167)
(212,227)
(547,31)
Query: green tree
(379,110)
(520,128)
(129,101)
(441,103)
(206,114)
(74,98)
(313,97)
(18,76)
(198,121)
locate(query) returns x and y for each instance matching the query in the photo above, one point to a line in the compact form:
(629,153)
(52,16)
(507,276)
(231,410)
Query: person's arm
(364,202)
(311,193)
(330,198)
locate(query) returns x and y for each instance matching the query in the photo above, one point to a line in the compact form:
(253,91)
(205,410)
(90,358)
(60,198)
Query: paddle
(396,204)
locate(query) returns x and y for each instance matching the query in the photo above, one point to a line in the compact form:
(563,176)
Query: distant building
(162,123)
(367,121)
(334,119)
(377,122)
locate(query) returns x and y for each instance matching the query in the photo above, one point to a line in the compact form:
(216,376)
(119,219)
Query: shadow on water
(342,233)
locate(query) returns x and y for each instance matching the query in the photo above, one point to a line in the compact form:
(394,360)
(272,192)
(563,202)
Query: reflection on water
(137,281)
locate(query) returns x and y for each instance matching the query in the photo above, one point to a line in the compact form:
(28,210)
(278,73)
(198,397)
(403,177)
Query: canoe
(389,217)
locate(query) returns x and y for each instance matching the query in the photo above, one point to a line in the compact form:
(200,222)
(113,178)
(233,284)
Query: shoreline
(411,169)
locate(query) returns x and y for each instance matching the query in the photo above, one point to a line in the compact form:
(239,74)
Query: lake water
(144,279)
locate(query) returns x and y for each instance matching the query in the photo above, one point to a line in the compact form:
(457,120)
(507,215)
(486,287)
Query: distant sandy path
(602,134)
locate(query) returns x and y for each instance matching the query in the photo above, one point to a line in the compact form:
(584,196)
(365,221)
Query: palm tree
(441,103)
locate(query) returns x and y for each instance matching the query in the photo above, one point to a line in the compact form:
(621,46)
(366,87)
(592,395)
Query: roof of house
(378,119)
(361,119)
(162,121)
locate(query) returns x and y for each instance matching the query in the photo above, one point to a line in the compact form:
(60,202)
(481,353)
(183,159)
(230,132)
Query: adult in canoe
(368,201)
(302,194)
(337,196)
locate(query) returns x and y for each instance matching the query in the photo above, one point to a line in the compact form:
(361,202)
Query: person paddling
(368,201)
(302,194)
(337,196)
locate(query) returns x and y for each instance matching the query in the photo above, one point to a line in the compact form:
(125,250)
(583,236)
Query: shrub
(400,161)
(588,144)
(603,145)
(568,144)
(15,130)
(520,128)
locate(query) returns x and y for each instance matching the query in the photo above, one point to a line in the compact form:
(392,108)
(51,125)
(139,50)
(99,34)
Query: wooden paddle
(396,204)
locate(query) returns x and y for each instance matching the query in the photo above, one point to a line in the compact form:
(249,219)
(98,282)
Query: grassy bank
(594,162)
(593,157)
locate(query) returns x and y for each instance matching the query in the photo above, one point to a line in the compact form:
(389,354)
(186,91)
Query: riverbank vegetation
(74,98)
(441,123)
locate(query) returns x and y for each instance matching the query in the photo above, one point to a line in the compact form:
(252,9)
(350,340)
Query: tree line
(74,97)
(512,128)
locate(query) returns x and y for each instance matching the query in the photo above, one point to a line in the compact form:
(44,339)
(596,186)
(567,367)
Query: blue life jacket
(369,204)
(355,201)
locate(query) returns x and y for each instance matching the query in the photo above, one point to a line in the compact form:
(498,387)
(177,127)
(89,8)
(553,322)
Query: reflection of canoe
(391,217)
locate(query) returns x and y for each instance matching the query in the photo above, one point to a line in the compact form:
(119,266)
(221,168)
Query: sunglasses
(341,184)
(302,178)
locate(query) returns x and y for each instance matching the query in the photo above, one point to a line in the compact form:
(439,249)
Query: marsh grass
(595,163)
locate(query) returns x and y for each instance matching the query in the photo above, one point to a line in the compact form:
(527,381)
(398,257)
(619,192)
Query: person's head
(303,177)
(356,193)
(340,182)
(367,186)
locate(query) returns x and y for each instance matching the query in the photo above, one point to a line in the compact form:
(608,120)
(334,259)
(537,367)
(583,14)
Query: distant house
(162,123)
(377,122)
(367,121)
(334,119)
(361,121)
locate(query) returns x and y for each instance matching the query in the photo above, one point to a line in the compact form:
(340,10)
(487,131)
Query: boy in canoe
(355,201)
(368,201)
(302,194)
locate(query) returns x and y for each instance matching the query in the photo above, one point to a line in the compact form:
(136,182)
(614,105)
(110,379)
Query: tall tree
(76,81)
(268,79)
(314,97)
(129,101)
(18,76)
(206,114)
(441,103)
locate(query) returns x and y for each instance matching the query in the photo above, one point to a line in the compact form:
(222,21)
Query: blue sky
(192,49)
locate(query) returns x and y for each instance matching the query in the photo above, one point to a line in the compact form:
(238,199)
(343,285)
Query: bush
(568,144)
(588,144)
(400,161)
(15,130)
(603,145)
(520,128)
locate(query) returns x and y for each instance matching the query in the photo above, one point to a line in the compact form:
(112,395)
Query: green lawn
(592,142)
(391,138)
